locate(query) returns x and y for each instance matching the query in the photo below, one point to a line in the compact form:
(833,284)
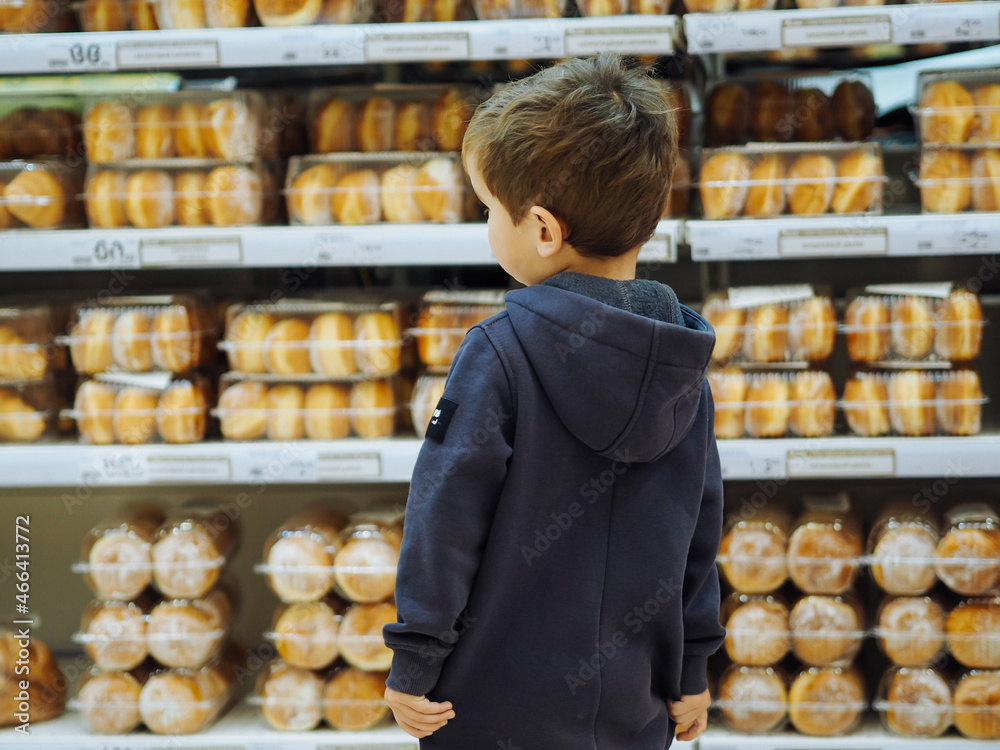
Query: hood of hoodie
(620,382)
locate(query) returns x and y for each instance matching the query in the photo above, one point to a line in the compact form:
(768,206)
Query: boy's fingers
(436,707)
(693,731)
(416,717)
(420,712)
(687,717)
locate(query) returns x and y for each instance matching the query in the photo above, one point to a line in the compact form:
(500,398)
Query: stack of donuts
(142,362)
(938,597)
(311,369)
(335,577)
(157,629)
(186,159)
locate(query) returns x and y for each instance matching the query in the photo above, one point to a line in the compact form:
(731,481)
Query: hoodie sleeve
(702,632)
(453,495)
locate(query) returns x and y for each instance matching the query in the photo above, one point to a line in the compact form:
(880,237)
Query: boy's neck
(619,268)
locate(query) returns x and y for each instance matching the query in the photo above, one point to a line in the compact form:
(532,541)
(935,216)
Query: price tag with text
(643,40)
(191,251)
(174,469)
(819,243)
(171,53)
(416,47)
(801,464)
(87,251)
(342,467)
(80,56)
(946,24)
(836,31)
(114,467)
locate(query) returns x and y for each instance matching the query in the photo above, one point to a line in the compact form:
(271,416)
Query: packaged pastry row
(371,188)
(952,180)
(883,324)
(181,192)
(302,337)
(818,701)
(182,552)
(188,633)
(40,126)
(29,410)
(959,106)
(799,107)
(40,194)
(295,699)
(445,316)
(34,16)
(766,180)
(917,630)
(165,701)
(28,348)
(318,551)
(822,551)
(47,689)
(911,403)
(924,702)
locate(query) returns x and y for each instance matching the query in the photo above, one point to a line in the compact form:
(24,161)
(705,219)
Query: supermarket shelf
(338,45)
(259,247)
(871,736)
(911,23)
(845,237)
(87,467)
(243,728)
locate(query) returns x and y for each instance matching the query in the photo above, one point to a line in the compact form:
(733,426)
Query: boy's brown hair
(591,140)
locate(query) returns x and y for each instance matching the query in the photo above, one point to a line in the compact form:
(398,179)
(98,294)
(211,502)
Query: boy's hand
(416,715)
(690,714)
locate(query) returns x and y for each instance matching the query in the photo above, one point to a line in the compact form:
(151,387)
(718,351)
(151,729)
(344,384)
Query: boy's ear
(550,231)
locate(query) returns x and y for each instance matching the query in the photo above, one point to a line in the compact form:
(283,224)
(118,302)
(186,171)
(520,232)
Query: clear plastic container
(958,106)
(757,630)
(116,15)
(393,187)
(827,630)
(40,194)
(827,701)
(116,556)
(803,107)
(725,6)
(910,629)
(977,704)
(336,340)
(39,126)
(500,10)
(913,403)
(307,12)
(752,551)
(959,179)
(189,124)
(254,407)
(915,702)
(33,16)
(190,549)
(109,700)
(899,323)
(973,633)
(389,117)
(294,699)
(27,341)
(28,410)
(305,633)
(901,548)
(135,409)
(446,316)
(968,555)
(753,700)
(113,633)
(770,324)
(825,546)
(180,192)
(427,393)
(203,14)
(419,11)
(764,180)
(364,567)
(771,404)
(360,637)
(167,332)
(299,554)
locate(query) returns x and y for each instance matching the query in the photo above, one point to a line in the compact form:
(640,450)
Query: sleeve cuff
(694,675)
(412,673)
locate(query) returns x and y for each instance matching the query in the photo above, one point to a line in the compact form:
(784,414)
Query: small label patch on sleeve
(441,419)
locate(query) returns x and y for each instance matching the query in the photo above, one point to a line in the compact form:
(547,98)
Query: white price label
(106,252)
(971,236)
(652,40)
(194,251)
(342,466)
(82,56)
(948,25)
(820,464)
(187,469)
(936,289)
(114,467)
(744,297)
(345,249)
(818,243)
(199,53)
(416,47)
(837,31)
(660,249)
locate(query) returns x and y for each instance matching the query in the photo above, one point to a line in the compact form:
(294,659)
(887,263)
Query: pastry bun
(753,699)
(305,633)
(826,630)
(911,630)
(826,701)
(757,631)
(720,198)
(360,640)
(919,702)
(354,701)
(300,555)
(365,567)
(243,411)
(977,697)
(973,632)
(945,180)
(824,552)
(866,405)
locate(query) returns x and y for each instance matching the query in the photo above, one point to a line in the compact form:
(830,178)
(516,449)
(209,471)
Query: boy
(557,586)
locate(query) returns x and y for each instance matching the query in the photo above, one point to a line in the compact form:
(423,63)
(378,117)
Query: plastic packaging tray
(726,6)
(34,126)
(40,194)
(446,316)
(753,700)
(325,12)
(959,179)
(500,10)
(203,14)
(27,341)
(770,405)
(28,410)
(420,11)
(915,702)
(33,16)
(958,106)
(116,15)
(977,712)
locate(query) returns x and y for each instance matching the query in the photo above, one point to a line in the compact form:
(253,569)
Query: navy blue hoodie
(557,578)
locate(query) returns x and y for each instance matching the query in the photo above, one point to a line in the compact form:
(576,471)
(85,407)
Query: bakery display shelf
(260,247)
(340,44)
(242,728)
(871,736)
(847,26)
(796,237)
(87,467)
